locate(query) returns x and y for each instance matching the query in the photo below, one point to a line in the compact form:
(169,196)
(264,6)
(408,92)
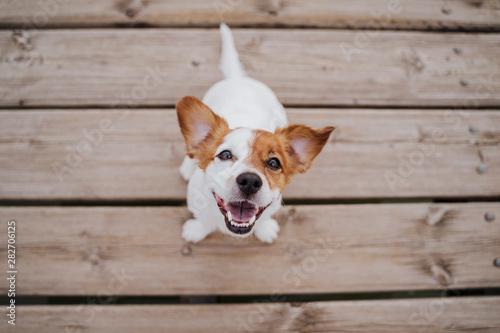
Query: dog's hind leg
(187,168)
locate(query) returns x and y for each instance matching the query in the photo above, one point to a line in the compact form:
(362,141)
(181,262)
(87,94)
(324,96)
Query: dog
(241,153)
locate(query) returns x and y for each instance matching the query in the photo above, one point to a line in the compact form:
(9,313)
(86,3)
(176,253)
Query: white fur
(229,61)
(246,104)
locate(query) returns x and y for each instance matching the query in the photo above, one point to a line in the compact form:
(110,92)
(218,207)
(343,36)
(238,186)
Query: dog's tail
(229,62)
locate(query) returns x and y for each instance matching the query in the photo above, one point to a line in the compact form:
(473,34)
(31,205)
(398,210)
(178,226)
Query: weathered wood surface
(351,14)
(321,249)
(374,154)
(304,67)
(442,315)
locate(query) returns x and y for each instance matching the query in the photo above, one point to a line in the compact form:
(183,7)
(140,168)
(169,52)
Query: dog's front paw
(194,231)
(267,231)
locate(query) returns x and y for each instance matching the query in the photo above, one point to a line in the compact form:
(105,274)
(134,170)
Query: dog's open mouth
(240,216)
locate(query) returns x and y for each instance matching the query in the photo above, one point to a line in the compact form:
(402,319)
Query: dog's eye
(274,163)
(225,155)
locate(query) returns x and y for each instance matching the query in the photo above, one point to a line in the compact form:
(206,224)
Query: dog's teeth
(252,220)
(229,216)
(240,224)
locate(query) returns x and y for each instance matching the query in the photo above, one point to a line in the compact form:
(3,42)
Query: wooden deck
(404,200)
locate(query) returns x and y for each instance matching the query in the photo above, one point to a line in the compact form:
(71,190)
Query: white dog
(240,153)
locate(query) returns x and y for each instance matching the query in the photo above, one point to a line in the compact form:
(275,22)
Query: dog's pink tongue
(241,211)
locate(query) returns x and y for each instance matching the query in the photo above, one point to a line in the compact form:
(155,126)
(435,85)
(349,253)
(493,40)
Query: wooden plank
(321,249)
(304,67)
(357,14)
(374,154)
(461,314)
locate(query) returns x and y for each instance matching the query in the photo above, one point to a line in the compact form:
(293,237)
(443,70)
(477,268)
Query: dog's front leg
(267,230)
(195,230)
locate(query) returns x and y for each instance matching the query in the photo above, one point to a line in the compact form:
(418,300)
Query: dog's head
(246,169)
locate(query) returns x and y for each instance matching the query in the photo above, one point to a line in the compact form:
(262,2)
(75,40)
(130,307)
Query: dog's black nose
(249,183)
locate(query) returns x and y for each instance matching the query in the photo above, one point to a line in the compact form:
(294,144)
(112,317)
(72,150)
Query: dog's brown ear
(302,144)
(198,123)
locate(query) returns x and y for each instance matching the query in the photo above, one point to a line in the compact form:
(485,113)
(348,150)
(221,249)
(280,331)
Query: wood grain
(304,67)
(321,249)
(387,316)
(374,154)
(351,14)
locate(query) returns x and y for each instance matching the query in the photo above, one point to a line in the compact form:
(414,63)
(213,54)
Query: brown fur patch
(281,145)
(310,142)
(208,148)
(267,145)
(202,129)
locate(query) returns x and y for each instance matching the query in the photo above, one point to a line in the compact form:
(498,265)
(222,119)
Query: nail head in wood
(481,169)
(195,63)
(457,50)
(445,10)
(464,82)
(496,262)
(489,217)
(473,129)
(186,250)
